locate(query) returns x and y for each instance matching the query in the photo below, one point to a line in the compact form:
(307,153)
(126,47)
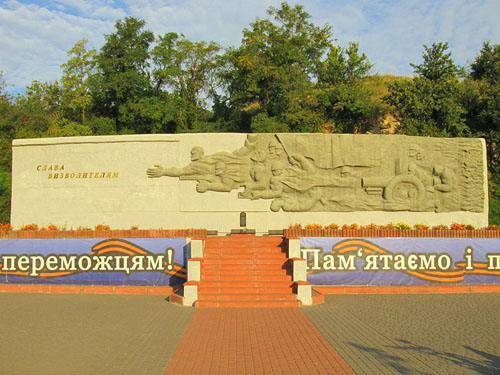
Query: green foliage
(343,99)
(272,70)
(5,191)
(59,126)
(32,111)
(482,93)
(288,75)
(438,65)
(494,201)
(76,97)
(186,71)
(7,129)
(344,65)
(482,100)
(494,215)
(487,64)
(429,105)
(185,67)
(123,76)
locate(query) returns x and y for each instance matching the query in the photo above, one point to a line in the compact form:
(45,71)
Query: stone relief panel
(344,172)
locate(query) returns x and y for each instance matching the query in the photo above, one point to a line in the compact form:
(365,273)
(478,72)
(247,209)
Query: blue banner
(91,261)
(401,261)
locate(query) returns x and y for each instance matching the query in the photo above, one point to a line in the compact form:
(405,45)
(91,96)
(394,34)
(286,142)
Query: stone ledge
(118,233)
(85,289)
(405,289)
(478,233)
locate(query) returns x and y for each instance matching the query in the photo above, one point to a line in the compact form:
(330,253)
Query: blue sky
(36,35)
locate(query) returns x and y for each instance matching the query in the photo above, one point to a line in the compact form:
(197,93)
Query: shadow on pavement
(389,360)
(482,363)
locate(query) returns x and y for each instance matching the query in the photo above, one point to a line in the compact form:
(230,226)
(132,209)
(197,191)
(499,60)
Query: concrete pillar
(294,248)
(190,293)
(304,293)
(299,269)
(193,270)
(196,247)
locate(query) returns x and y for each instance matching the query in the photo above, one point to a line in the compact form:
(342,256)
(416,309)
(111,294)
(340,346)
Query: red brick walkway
(254,341)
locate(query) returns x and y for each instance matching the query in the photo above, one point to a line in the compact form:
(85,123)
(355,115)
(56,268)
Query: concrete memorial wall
(206,180)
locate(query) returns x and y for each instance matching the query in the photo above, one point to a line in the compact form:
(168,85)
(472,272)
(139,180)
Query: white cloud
(34,37)
(220,21)
(392,33)
(35,40)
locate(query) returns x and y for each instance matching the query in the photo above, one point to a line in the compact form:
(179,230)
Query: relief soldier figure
(321,172)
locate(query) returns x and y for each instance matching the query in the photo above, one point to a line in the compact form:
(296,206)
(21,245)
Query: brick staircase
(245,271)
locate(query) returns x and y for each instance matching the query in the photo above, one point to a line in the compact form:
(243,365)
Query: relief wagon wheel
(405,188)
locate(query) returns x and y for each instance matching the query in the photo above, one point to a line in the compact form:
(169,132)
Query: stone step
(248,297)
(224,266)
(247,278)
(215,271)
(247,304)
(245,271)
(246,283)
(243,242)
(248,253)
(231,290)
(251,261)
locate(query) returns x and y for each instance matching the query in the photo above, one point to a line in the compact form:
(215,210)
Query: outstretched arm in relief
(155,172)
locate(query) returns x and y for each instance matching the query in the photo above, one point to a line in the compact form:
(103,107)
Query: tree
(271,74)
(482,100)
(343,98)
(123,77)
(184,78)
(6,136)
(7,128)
(429,104)
(5,194)
(438,65)
(75,79)
(35,107)
(487,64)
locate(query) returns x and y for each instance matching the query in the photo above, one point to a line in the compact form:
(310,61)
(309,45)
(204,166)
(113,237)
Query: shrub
(440,227)
(386,226)
(5,227)
(401,226)
(421,227)
(369,226)
(101,227)
(313,226)
(332,226)
(351,227)
(30,227)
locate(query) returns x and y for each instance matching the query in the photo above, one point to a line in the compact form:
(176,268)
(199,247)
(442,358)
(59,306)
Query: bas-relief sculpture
(332,173)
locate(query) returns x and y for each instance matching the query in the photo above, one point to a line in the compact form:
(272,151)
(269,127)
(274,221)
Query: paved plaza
(349,334)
